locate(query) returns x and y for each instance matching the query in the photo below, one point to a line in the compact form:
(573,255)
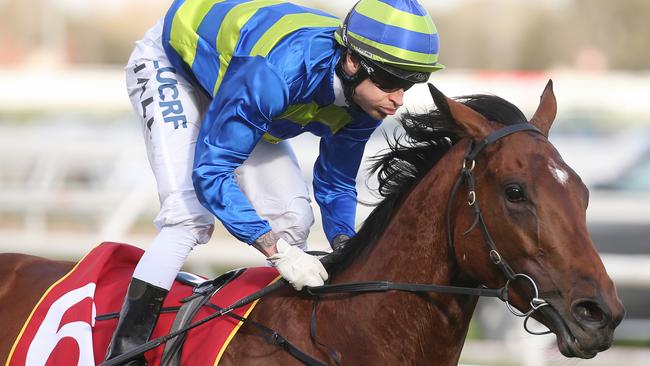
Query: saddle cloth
(62,329)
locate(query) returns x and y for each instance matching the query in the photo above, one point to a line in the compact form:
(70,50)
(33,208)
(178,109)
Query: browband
(498,134)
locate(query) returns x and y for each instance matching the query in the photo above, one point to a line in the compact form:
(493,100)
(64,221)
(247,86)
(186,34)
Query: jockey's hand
(298,267)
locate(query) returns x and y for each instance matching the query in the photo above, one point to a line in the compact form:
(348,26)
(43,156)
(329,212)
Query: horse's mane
(426,139)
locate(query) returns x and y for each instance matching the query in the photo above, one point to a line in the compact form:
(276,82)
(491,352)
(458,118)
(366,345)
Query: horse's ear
(546,111)
(472,122)
(440,100)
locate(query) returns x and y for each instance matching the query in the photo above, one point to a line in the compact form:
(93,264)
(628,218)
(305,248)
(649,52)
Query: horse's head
(533,206)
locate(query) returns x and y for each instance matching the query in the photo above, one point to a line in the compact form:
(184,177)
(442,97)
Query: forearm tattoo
(265,242)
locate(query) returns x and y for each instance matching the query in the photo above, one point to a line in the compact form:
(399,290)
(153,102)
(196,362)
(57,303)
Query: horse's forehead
(558,171)
(536,155)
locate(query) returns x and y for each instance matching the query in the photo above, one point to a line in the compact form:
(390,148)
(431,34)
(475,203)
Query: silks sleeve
(335,173)
(252,93)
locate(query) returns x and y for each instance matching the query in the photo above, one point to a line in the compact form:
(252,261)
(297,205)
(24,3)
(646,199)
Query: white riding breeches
(171,109)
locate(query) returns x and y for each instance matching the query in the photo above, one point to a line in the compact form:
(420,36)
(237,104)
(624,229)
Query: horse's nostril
(589,311)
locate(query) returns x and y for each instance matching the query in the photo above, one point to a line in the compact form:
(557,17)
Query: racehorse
(528,236)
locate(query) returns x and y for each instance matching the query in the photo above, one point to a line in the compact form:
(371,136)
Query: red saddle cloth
(62,329)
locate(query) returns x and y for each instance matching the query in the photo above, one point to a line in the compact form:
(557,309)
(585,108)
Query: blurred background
(73,171)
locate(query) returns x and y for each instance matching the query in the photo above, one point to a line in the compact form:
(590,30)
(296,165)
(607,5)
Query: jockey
(219,86)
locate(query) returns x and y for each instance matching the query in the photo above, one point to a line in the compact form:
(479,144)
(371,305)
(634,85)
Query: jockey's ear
(350,63)
(473,123)
(546,111)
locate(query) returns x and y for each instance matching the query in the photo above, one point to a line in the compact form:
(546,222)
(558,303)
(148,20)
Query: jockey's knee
(166,254)
(182,211)
(200,232)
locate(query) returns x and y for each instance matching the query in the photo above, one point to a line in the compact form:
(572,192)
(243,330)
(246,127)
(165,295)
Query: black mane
(425,140)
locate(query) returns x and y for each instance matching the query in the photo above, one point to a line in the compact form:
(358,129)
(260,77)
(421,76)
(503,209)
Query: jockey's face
(377,102)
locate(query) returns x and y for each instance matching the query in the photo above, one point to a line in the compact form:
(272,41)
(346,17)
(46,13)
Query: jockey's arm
(251,93)
(266,244)
(335,175)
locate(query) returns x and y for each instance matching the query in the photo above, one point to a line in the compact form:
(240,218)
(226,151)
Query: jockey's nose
(397,98)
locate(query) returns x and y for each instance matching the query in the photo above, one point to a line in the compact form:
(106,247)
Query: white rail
(99,183)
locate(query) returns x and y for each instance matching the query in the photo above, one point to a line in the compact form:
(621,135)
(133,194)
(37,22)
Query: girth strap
(202,293)
(273,337)
(187,312)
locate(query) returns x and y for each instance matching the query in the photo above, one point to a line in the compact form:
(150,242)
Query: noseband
(466,176)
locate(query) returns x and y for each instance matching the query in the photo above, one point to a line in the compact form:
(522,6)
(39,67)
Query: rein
(466,176)
(384,286)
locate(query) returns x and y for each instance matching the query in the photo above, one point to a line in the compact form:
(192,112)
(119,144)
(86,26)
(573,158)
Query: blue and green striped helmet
(397,35)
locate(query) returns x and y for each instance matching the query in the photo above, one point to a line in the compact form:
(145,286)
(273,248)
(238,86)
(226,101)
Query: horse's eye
(515,193)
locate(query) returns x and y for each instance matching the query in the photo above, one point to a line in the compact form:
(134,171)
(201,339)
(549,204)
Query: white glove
(298,267)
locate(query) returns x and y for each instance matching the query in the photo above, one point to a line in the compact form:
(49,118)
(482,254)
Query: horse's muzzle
(588,328)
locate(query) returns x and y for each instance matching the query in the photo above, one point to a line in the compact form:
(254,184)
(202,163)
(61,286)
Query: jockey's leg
(183,223)
(272,180)
(170,110)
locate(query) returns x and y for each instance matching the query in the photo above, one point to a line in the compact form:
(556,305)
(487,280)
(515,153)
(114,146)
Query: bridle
(466,177)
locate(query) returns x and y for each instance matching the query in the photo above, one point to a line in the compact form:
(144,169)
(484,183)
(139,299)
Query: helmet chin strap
(349,82)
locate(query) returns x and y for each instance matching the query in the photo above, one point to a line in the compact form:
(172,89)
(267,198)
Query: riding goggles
(384,80)
(389,78)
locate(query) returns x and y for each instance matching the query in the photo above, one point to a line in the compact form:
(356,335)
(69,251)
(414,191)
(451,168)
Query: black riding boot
(138,317)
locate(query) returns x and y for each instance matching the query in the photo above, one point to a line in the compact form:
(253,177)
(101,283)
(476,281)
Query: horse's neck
(413,249)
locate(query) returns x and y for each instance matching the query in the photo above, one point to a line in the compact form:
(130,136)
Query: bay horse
(424,231)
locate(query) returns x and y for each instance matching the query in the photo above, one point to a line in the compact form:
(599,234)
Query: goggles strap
(349,82)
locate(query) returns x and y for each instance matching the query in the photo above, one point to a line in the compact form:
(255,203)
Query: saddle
(83,303)
(202,292)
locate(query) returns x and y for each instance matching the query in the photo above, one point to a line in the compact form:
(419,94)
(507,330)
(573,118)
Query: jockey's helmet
(395,41)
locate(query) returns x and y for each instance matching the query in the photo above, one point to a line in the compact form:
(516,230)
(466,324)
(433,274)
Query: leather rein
(466,176)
